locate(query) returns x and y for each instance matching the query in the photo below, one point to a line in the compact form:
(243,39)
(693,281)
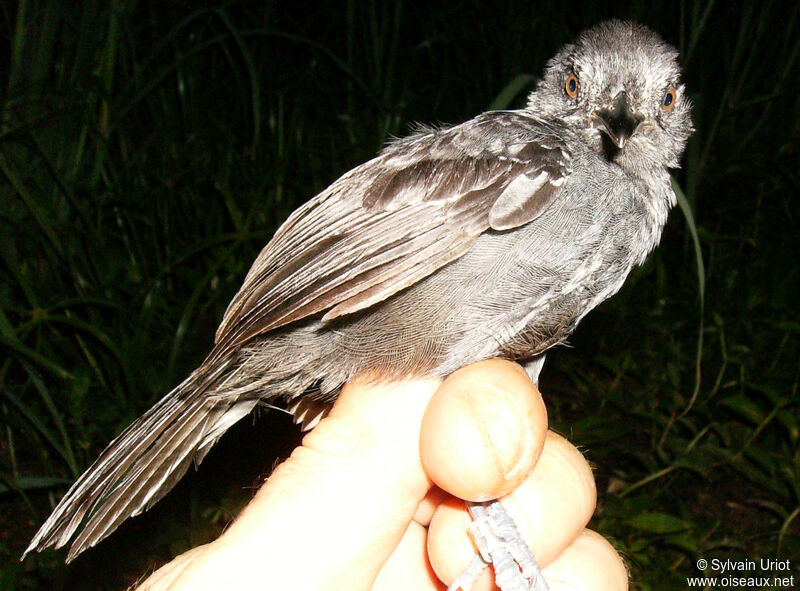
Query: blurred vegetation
(149,149)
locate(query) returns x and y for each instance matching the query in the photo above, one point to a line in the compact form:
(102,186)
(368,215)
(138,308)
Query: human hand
(354,506)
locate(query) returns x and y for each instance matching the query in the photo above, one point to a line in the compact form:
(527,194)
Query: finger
(590,563)
(551,508)
(343,498)
(435,497)
(556,501)
(408,566)
(483,430)
(167,575)
(450,548)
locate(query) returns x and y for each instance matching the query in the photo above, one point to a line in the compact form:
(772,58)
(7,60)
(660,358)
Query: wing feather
(395,220)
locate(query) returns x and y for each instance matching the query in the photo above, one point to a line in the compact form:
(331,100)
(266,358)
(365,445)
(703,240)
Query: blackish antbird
(492,238)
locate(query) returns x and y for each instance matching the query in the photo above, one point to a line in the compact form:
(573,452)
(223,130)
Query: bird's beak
(619,122)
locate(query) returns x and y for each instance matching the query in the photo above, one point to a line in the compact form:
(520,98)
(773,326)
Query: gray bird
(492,238)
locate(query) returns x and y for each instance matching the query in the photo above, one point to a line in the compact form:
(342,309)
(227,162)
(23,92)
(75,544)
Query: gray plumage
(490,238)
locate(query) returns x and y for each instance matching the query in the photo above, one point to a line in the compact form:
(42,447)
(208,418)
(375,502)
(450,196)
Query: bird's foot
(500,544)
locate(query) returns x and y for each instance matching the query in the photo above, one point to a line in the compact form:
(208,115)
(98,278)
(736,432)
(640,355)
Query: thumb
(343,498)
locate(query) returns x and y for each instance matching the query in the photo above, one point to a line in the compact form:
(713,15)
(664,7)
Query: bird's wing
(395,220)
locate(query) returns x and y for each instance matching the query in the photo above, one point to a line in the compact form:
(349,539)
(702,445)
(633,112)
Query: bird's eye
(571,87)
(669,99)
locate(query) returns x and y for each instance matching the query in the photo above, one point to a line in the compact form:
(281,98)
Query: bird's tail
(141,465)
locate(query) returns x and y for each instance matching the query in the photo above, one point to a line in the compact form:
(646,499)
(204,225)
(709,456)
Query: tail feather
(101,476)
(146,478)
(140,466)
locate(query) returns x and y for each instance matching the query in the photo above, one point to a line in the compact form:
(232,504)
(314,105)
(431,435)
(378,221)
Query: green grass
(148,150)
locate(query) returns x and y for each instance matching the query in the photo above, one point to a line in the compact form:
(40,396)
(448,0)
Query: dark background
(149,149)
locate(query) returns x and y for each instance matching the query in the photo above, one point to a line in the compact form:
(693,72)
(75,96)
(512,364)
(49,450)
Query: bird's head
(619,87)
